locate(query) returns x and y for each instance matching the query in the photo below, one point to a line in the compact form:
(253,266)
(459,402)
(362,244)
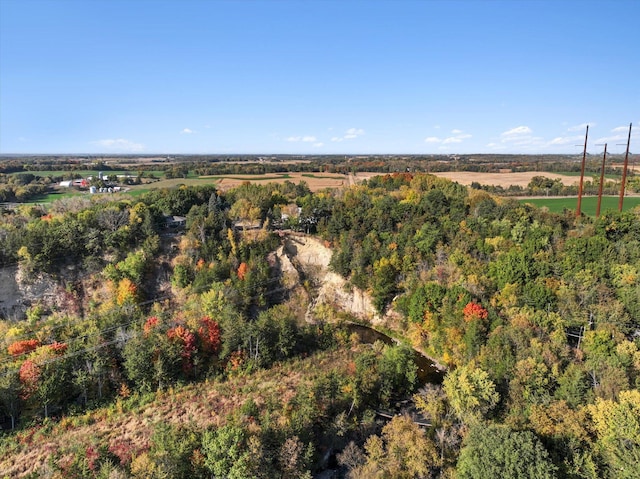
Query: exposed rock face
(19,290)
(10,296)
(310,258)
(337,292)
(301,259)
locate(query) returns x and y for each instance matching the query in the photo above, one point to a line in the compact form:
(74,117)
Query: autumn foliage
(126,292)
(22,347)
(29,375)
(209,334)
(187,341)
(150,324)
(58,348)
(242,271)
(474,311)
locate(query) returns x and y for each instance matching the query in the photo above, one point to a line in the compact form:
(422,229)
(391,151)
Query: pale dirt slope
(312,258)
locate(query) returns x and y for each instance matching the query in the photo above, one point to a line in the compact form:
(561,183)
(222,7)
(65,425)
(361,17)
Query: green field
(51,197)
(588,175)
(589,204)
(325,177)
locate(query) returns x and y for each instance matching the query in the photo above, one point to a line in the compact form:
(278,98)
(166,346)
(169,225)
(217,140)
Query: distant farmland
(589,203)
(316,181)
(505,180)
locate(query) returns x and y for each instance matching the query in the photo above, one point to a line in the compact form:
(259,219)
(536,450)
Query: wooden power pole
(584,159)
(604,159)
(624,171)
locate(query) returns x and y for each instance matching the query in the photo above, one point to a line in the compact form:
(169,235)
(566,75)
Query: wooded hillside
(535,315)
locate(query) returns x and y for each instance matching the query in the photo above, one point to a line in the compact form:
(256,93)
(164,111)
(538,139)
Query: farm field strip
(274,176)
(589,203)
(502,179)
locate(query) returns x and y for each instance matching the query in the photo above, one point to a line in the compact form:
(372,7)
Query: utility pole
(584,159)
(624,171)
(604,158)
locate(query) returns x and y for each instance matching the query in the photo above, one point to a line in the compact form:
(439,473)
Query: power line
(103,332)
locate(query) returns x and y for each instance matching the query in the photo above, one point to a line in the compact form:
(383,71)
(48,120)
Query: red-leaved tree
(187,341)
(474,311)
(209,335)
(29,376)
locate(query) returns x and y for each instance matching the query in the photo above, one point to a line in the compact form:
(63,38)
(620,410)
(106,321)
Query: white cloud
(458,138)
(304,139)
(620,128)
(187,131)
(318,145)
(519,130)
(350,134)
(612,139)
(621,136)
(581,126)
(456,132)
(565,140)
(519,136)
(353,133)
(119,144)
(527,141)
(496,146)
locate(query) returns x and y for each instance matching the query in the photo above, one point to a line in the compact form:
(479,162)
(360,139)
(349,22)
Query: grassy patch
(589,204)
(588,175)
(321,177)
(137,192)
(200,405)
(172,183)
(51,197)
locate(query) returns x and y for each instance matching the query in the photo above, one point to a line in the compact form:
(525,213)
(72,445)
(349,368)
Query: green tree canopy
(498,452)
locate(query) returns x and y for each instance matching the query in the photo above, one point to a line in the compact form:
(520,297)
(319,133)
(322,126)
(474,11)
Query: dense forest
(184,351)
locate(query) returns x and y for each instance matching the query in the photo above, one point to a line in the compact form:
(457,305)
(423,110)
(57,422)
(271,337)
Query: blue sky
(196,76)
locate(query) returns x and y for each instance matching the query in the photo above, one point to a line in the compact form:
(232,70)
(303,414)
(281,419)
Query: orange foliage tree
(22,347)
(242,270)
(474,311)
(150,324)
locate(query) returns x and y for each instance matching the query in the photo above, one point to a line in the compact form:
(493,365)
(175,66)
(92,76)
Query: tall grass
(589,204)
